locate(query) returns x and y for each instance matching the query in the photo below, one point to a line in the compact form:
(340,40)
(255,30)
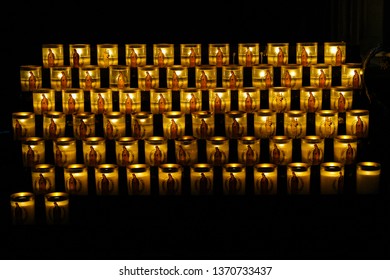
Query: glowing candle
(234,179)
(60,77)
(280,148)
(334,53)
(169,178)
(206,76)
(142,125)
(43,178)
(23,208)
(298,178)
(54,125)
(186,150)
(368,177)
(321,75)
(279,99)
(126,149)
(190,100)
(72,100)
(291,76)
(326,123)
(119,76)
(351,75)
(114,125)
(83,125)
(310,99)
(236,124)
(94,150)
(76,179)
(332,178)
(30,77)
(232,76)
(248,54)
(295,124)
(265,123)
(263,76)
(79,55)
(173,124)
(89,77)
(160,100)
(341,98)
(306,53)
(190,55)
(248,99)
(23,124)
(57,208)
(357,123)
(202,177)
(130,100)
(312,149)
(265,179)
(277,53)
(156,148)
(345,149)
(202,124)
(101,100)
(52,55)
(33,151)
(177,77)
(218,54)
(219,100)
(135,55)
(163,55)
(148,77)
(107,54)
(107,179)
(248,148)
(64,149)
(217,148)
(138,179)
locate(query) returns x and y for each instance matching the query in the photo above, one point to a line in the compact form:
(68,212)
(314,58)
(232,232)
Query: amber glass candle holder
(190,100)
(163,55)
(57,208)
(217,149)
(291,76)
(169,179)
(321,75)
(357,123)
(279,99)
(248,54)
(206,76)
(89,77)
(107,54)
(54,123)
(332,178)
(219,100)
(341,98)
(298,178)
(52,55)
(30,77)
(160,100)
(126,149)
(202,124)
(119,76)
(173,124)
(43,178)
(148,77)
(64,150)
(345,149)
(33,151)
(142,125)
(310,99)
(130,100)
(76,179)
(72,100)
(190,55)
(265,179)
(107,179)
(202,177)
(234,176)
(138,179)
(335,53)
(135,55)
(368,175)
(263,76)
(280,149)
(312,149)
(186,150)
(326,123)
(232,76)
(94,151)
(60,77)
(114,125)
(295,124)
(264,123)
(306,53)
(248,149)
(79,55)
(277,53)
(156,150)
(22,208)
(43,100)
(177,77)
(351,75)
(23,124)
(219,54)
(236,124)
(83,125)
(248,99)
(101,100)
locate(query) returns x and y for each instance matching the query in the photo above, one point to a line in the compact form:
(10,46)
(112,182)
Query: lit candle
(298,178)
(190,55)
(295,124)
(357,123)
(334,53)
(60,77)
(163,55)
(265,123)
(203,124)
(291,76)
(43,178)
(234,179)
(248,148)
(310,99)
(202,177)
(54,125)
(57,208)
(156,148)
(23,124)
(160,100)
(89,77)
(114,125)
(130,100)
(206,76)
(83,125)
(218,54)
(277,53)
(126,149)
(33,151)
(332,178)
(312,149)
(219,100)
(217,148)
(72,100)
(341,98)
(23,208)
(107,179)
(248,99)
(107,54)
(280,148)
(190,100)
(94,150)
(351,75)
(79,55)
(186,150)
(52,55)
(138,179)
(64,150)
(263,76)
(76,179)
(279,99)
(177,77)
(306,53)
(368,177)
(321,75)
(232,76)
(142,125)
(119,76)
(169,178)
(265,179)
(345,149)
(30,77)
(135,55)
(148,77)
(173,124)
(248,54)
(326,123)
(101,100)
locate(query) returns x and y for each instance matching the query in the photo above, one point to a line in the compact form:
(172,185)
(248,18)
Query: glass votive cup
(219,100)
(248,99)
(156,149)
(206,76)
(57,208)
(326,123)
(80,55)
(263,76)
(345,149)
(142,125)
(101,100)
(335,53)
(331,178)
(94,151)
(279,99)
(234,176)
(312,149)
(130,100)
(232,76)
(54,123)
(190,55)
(148,77)
(83,125)
(217,149)
(368,175)
(202,124)
(173,124)
(280,148)
(163,55)
(114,125)
(52,55)
(291,76)
(341,98)
(72,100)
(351,75)
(190,100)
(218,54)
(307,53)
(357,123)
(295,124)
(22,208)
(248,149)
(321,75)
(43,100)
(119,76)
(202,176)
(277,53)
(186,150)
(76,179)
(64,150)
(107,54)
(30,77)
(126,149)
(89,77)
(248,54)
(23,124)
(107,179)
(265,179)
(264,123)
(33,151)
(177,77)
(43,178)
(298,178)
(138,179)
(60,77)
(135,55)
(169,178)
(310,99)
(160,100)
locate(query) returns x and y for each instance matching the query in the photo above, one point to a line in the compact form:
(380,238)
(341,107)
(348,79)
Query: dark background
(185,227)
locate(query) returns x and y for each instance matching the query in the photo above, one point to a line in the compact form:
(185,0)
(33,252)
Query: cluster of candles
(197,101)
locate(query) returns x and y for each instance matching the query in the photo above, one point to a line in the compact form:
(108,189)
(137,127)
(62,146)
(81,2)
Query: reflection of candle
(138,179)
(312,149)
(280,148)
(43,178)
(156,148)
(345,148)
(295,124)
(203,124)
(23,208)
(126,149)
(106,176)
(76,179)
(248,148)
(298,178)
(23,124)
(114,125)
(266,178)
(169,178)
(186,149)
(64,150)
(33,150)
(217,148)
(368,177)
(94,150)
(234,179)
(202,179)
(357,123)
(235,124)
(57,208)
(332,178)
(54,125)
